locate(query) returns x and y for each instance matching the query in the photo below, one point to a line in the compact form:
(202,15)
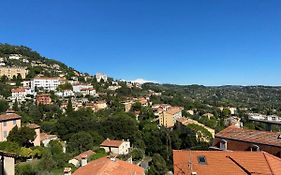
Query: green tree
(23,136)
(3,106)
(80,142)
(158,165)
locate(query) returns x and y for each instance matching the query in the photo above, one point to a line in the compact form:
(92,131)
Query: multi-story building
(46,83)
(116,147)
(43,99)
(20,94)
(7,122)
(10,72)
(168,118)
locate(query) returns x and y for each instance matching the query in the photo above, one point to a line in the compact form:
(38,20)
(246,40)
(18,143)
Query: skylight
(202,160)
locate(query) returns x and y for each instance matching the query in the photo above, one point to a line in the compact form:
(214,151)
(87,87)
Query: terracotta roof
(9,116)
(111,143)
(174,110)
(84,154)
(17,90)
(106,166)
(220,162)
(253,136)
(44,136)
(33,126)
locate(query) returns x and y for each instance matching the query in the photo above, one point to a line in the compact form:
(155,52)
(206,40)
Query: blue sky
(185,42)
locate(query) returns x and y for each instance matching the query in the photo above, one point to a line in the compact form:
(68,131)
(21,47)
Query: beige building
(168,118)
(13,71)
(7,122)
(116,147)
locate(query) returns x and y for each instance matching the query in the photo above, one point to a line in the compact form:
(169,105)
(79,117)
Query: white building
(47,83)
(78,87)
(101,76)
(88,91)
(20,94)
(117,147)
(65,93)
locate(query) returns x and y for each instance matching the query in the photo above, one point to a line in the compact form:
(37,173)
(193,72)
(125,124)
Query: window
(5,123)
(223,144)
(5,134)
(202,160)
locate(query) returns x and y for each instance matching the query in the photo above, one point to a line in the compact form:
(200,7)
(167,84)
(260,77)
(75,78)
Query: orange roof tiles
(174,110)
(33,126)
(9,116)
(220,163)
(84,154)
(18,90)
(111,143)
(106,166)
(253,136)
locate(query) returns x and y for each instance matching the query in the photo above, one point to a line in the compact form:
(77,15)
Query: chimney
(67,171)
(84,160)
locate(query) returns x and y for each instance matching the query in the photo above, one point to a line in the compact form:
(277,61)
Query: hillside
(22,56)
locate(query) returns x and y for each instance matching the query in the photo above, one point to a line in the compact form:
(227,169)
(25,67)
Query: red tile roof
(220,163)
(106,166)
(253,136)
(33,126)
(18,90)
(111,143)
(9,116)
(84,154)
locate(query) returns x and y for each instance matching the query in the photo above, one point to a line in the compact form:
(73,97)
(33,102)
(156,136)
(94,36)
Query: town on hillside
(55,120)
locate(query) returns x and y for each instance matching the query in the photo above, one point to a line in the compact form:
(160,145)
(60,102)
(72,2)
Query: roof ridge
(268,163)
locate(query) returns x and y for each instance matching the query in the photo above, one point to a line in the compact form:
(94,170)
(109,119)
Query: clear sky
(210,42)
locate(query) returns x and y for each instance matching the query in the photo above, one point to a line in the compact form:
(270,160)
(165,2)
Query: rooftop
(111,143)
(107,166)
(253,136)
(220,162)
(9,116)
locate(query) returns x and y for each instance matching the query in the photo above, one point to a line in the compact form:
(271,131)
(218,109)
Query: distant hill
(22,56)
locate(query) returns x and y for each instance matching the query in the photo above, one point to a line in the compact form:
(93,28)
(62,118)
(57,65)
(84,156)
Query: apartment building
(46,83)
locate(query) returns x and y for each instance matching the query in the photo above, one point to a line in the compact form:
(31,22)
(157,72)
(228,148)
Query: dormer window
(255,148)
(223,144)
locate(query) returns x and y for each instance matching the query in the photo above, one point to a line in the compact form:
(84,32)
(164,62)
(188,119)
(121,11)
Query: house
(43,99)
(7,163)
(101,76)
(36,128)
(187,162)
(100,105)
(46,138)
(20,94)
(7,122)
(168,118)
(65,93)
(109,166)
(128,105)
(117,147)
(46,83)
(78,160)
(88,91)
(240,139)
(10,72)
